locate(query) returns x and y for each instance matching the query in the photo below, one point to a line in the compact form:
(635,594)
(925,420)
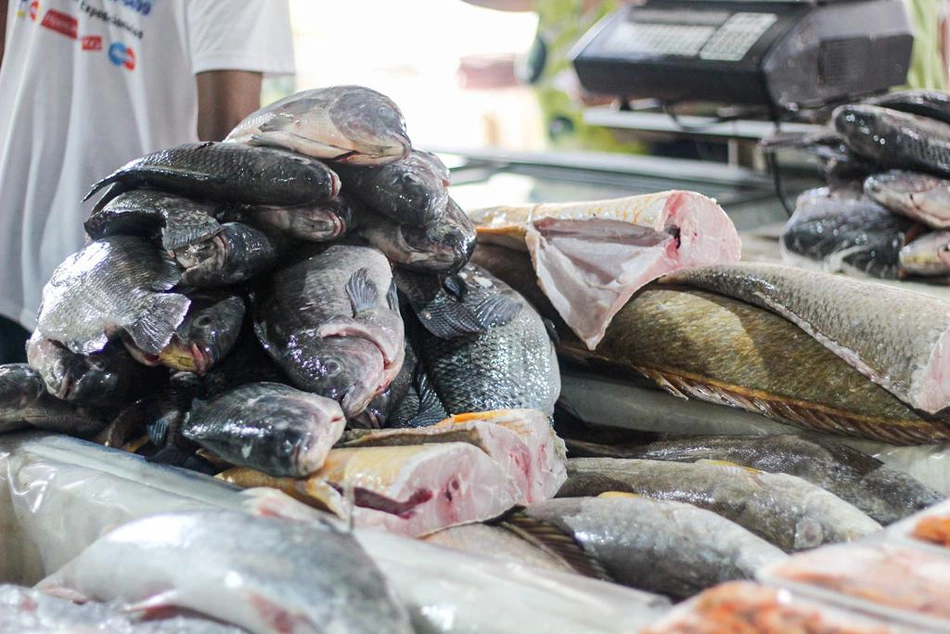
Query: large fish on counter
(699,344)
(591,257)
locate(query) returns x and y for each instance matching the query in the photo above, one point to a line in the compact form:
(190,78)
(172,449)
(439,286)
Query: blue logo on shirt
(122,55)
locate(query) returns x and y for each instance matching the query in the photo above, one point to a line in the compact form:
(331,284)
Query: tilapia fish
(927,255)
(347,124)
(443,246)
(662,546)
(25,402)
(718,349)
(177,221)
(271,427)
(228,172)
(893,336)
(884,494)
(111,286)
(319,222)
(206,334)
(109,378)
(919,196)
(411,191)
(844,230)
(591,257)
(235,254)
(332,323)
(934,104)
(784,510)
(511,366)
(895,140)
(264,574)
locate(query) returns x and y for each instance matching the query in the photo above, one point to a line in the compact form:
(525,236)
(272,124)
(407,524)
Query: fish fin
(497,310)
(277,617)
(392,297)
(455,286)
(431,410)
(155,605)
(362,292)
(114,191)
(158,430)
(108,180)
(156,325)
(62,592)
(555,542)
(176,235)
(451,320)
(169,277)
(552,330)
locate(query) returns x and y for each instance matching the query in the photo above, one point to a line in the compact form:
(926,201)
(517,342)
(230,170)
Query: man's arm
(3,27)
(225,97)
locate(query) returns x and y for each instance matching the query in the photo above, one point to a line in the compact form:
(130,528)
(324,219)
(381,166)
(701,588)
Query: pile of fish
(257,307)
(885,211)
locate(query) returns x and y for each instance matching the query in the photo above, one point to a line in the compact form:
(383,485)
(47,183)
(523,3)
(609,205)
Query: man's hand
(225,97)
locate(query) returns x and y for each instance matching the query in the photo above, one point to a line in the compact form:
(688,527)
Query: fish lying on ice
(919,196)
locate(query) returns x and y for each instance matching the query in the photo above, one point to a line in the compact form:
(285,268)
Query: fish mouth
(66,390)
(189,358)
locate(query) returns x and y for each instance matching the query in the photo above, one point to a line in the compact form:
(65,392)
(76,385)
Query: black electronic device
(785,56)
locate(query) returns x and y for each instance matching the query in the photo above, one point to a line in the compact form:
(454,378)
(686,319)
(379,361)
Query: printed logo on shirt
(62,23)
(92,42)
(139,6)
(122,55)
(111,18)
(34,9)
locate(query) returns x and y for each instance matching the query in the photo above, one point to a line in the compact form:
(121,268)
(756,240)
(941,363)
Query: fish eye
(202,321)
(332,367)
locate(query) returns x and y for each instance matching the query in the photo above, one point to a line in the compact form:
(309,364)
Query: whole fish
(270,427)
(177,221)
(410,191)
(319,222)
(111,286)
(235,254)
(663,546)
(109,378)
(844,230)
(784,510)
(443,246)
(926,103)
(718,349)
(927,255)
(347,124)
(264,574)
(513,365)
(884,494)
(227,172)
(923,197)
(837,162)
(893,336)
(332,323)
(25,402)
(895,140)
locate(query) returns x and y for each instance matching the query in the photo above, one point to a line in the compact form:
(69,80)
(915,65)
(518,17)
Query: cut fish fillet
(591,257)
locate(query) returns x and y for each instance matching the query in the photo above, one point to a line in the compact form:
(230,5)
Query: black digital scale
(785,55)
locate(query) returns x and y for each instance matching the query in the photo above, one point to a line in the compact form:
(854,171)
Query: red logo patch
(62,23)
(92,42)
(34,9)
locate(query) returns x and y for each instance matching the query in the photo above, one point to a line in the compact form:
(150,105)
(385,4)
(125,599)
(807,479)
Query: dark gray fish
(409,191)
(228,172)
(511,366)
(206,335)
(922,197)
(895,140)
(332,323)
(177,221)
(248,362)
(264,574)
(319,222)
(346,124)
(926,103)
(421,407)
(270,427)
(837,162)
(235,254)
(112,286)
(109,378)
(928,255)
(441,247)
(884,494)
(25,402)
(845,230)
(784,510)
(663,546)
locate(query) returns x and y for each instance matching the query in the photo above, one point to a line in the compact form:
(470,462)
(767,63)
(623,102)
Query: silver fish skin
(928,255)
(175,220)
(110,378)
(661,546)
(270,427)
(111,286)
(409,191)
(886,495)
(893,336)
(227,172)
(235,254)
(895,140)
(264,574)
(346,124)
(24,402)
(784,510)
(315,223)
(919,196)
(332,323)
(443,246)
(513,365)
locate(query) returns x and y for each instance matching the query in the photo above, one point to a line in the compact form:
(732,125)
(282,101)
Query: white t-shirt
(88,85)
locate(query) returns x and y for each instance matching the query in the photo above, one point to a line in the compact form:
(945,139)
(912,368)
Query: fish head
(297,443)
(349,370)
(369,125)
(75,377)
(20,385)
(868,130)
(927,255)
(205,336)
(444,246)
